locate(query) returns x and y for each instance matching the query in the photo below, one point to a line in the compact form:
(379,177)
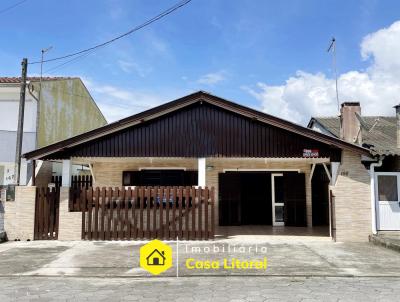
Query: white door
(388,203)
(277,199)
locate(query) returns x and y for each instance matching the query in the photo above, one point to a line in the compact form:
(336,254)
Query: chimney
(397,107)
(350,125)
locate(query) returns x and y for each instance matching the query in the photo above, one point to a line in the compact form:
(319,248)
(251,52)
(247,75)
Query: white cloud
(306,94)
(212,78)
(129,66)
(117,103)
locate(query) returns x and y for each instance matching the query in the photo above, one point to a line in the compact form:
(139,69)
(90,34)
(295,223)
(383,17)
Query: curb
(3,237)
(385,242)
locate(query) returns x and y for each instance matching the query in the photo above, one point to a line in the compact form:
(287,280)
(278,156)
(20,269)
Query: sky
(268,55)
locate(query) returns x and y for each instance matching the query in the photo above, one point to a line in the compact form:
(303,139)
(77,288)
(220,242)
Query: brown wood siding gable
(199,130)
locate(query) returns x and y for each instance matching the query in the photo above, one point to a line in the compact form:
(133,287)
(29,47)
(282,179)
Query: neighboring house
(381,135)
(264,171)
(66,109)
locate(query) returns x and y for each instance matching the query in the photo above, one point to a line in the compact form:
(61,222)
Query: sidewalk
(121,259)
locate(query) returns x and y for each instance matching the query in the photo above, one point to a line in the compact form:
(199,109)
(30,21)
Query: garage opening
(262,198)
(320,197)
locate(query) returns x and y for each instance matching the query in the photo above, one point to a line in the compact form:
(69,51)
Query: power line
(84,55)
(12,6)
(148,22)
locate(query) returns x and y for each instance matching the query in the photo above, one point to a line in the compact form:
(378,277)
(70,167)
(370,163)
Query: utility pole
(20,130)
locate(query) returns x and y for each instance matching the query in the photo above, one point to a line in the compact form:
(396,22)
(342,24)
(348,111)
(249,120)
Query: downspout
(373,195)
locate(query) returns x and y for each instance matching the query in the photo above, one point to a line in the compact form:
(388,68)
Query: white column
(335,171)
(66,173)
(201,170)
(23,172)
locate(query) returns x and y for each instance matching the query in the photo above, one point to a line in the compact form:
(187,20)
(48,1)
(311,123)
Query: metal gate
(46,213)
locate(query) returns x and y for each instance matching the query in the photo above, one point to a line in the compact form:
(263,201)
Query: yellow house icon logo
(156,257)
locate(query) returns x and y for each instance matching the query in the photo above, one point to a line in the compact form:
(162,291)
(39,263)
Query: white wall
(319,128)
(8,140)
(9,106)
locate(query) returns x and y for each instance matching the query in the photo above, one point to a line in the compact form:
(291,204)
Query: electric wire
(6,9)
(146,23)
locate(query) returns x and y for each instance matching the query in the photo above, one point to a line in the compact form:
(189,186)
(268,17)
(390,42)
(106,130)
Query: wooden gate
(146,213)
(46,213)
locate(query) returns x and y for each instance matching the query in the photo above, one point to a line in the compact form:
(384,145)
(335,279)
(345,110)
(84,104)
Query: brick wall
(352,200)
(70,223)
(20,214)
(109,173)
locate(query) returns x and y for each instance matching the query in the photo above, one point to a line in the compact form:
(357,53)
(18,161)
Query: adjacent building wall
(352,200)
(66,109)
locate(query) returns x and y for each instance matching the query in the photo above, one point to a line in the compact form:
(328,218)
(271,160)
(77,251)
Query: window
(159,178)
(387,188)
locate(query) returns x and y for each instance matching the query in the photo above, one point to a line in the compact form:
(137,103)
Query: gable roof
(379,133)
(186,101)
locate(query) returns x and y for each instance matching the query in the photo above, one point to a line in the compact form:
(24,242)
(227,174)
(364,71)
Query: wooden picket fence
(46,213)
(147,213)
(77,181)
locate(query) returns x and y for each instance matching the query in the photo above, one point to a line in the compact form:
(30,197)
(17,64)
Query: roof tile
(16,80)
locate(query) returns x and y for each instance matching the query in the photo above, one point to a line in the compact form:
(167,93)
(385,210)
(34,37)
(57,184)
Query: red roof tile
(16,80)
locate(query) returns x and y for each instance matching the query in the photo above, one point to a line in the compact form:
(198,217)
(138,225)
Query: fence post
(70,223)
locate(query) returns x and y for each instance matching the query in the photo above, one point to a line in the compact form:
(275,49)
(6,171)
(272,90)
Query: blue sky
(270,55)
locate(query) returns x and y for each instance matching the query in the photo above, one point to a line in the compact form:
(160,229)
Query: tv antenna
(332,48)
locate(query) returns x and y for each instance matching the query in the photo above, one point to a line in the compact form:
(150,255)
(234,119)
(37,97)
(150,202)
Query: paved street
(315,269)
(200,289)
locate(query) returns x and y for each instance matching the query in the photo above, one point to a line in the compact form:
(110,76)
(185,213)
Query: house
(381,135)
(155,258)
(250,167)
(65,109)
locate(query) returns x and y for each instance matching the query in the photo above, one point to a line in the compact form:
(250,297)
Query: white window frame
(377,174)
(274,203)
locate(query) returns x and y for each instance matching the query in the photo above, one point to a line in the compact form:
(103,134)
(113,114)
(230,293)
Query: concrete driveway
(286,257)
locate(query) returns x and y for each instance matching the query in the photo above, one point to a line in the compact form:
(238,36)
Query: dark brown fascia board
(183,102)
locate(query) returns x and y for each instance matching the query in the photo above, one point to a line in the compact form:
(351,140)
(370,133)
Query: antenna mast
(332,47)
